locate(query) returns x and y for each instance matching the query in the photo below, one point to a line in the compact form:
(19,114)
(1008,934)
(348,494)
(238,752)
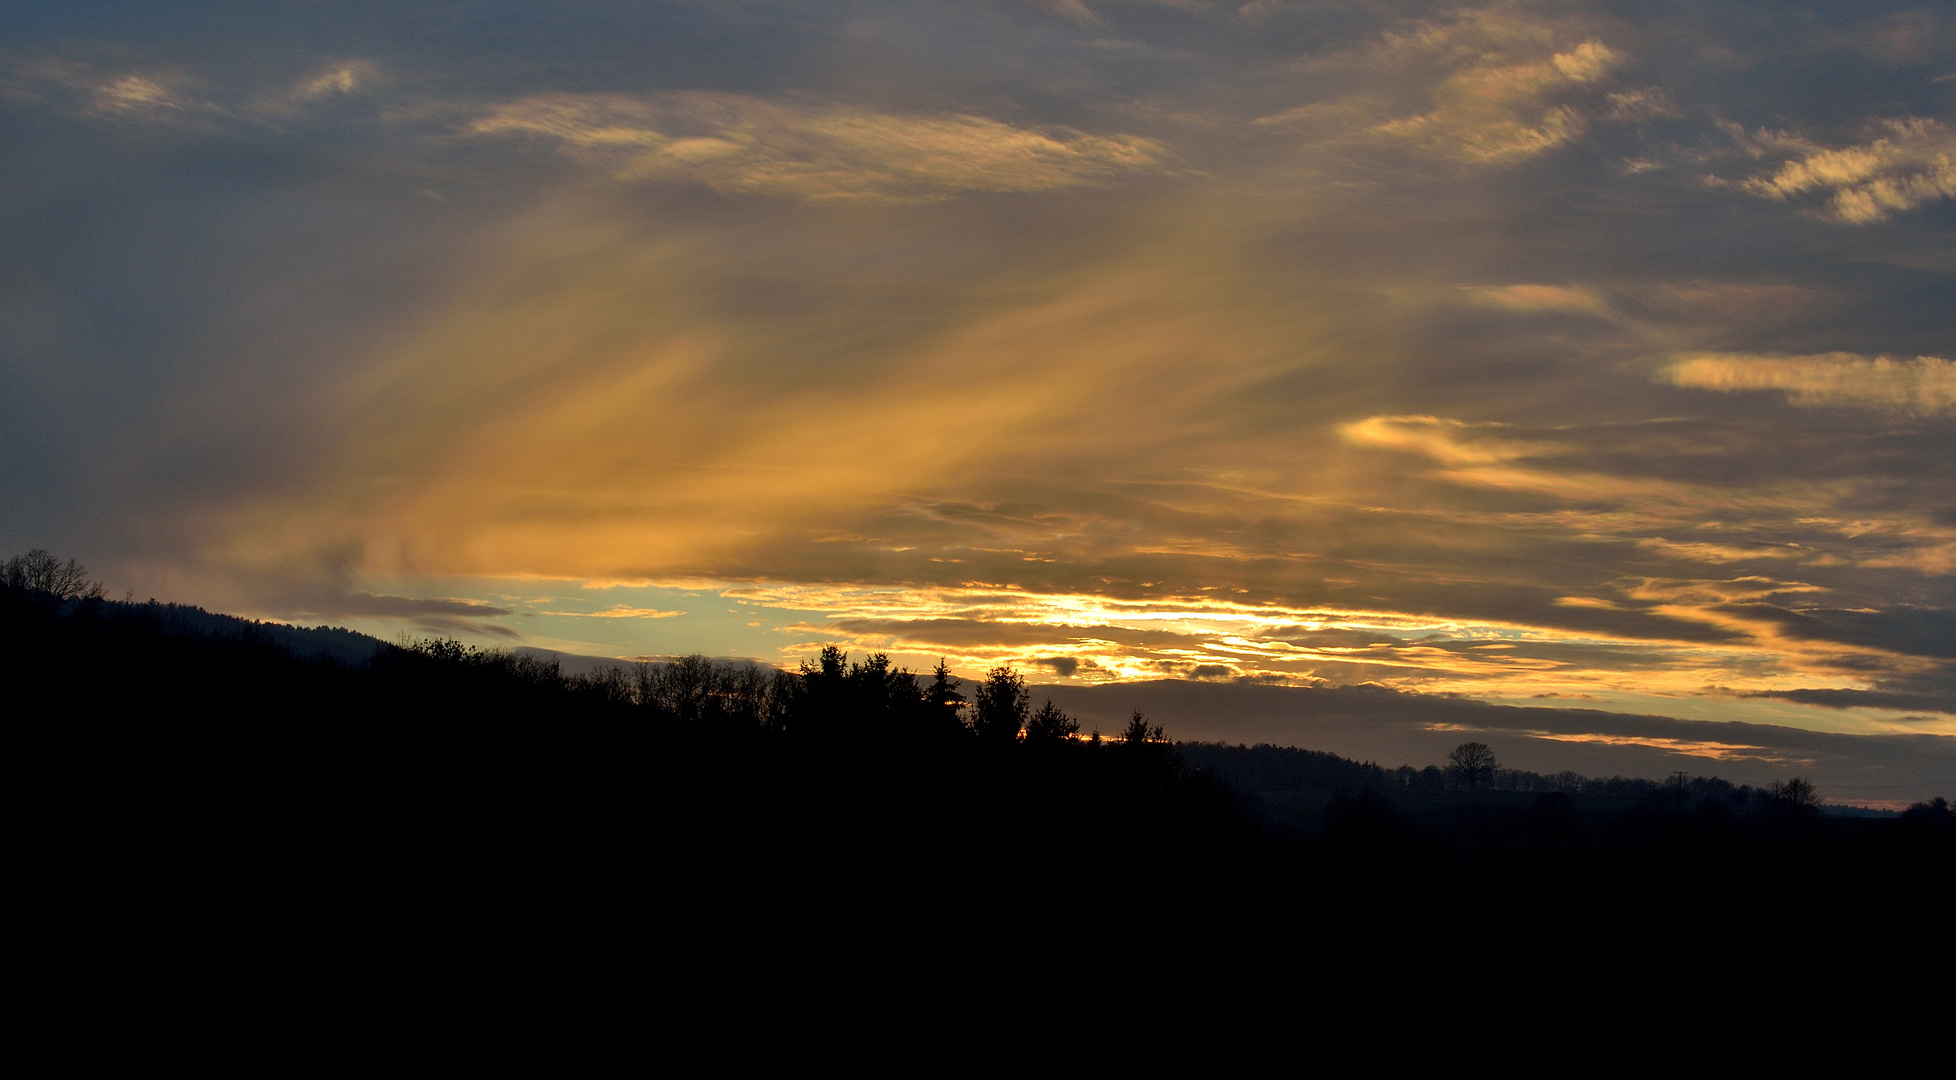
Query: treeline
(1268,770)
(833,699)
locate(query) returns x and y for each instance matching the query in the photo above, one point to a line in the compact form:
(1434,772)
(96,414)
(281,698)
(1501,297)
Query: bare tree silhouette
(1796,795)
(39,571)
(1473,763)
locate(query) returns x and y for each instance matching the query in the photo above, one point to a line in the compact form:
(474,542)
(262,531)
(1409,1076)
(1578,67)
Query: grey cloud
(372,604)
(1063,666)
(332,603)
(458,627)
(1927,632)
(1871,699)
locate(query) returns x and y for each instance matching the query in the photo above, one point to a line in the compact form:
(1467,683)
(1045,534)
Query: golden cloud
(1700,551)
(1541,298)
(1911,164)
(1502,100)
(1704,748)
(1712,592)
(739,143)
(1484,87)
(1449,442)
(619,613)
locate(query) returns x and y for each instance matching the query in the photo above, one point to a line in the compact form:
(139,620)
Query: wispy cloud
(174,98)
(1698,748)
(741,143)
(1498,87)
(135,92)
(1504,110)
(1449,442)
(1700,551)
(1489,86)
(339,79)
(618,613)
(1908,165)
(1926,384)
(1540,298)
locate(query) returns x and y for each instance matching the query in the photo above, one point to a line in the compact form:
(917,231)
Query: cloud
(339,79)
(1712,592)
(1199,637)
(1864,699)
(1708,749)
(1924,385)
(135,92)
(174,98)
(618,613)
(1489,87)
(1699,551)
(1642,105)
(1531,298)
(151,95)
(1449,442)
(1063,666)
(738,143)
(1506,96)
(322,603)
(1911,164)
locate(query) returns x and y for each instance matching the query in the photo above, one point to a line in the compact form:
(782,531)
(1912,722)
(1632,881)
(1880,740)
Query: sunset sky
(1576,355)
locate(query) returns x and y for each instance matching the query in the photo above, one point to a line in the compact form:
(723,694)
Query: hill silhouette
(946,853)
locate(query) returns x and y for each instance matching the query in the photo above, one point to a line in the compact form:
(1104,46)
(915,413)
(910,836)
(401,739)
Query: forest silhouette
(937,847)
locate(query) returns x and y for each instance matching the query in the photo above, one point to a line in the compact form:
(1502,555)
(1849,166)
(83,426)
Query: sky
(1590,358)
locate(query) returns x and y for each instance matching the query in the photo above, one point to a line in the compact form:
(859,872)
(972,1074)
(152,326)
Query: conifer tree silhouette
(1002,706)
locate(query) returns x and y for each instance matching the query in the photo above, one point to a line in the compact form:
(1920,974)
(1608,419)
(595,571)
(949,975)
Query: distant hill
(335,643)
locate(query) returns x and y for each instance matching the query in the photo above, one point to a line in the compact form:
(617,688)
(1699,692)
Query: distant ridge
(335,643)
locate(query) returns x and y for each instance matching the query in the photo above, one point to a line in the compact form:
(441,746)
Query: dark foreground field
(217,846)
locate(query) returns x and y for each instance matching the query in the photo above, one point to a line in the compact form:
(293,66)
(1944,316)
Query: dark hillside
(788,843)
